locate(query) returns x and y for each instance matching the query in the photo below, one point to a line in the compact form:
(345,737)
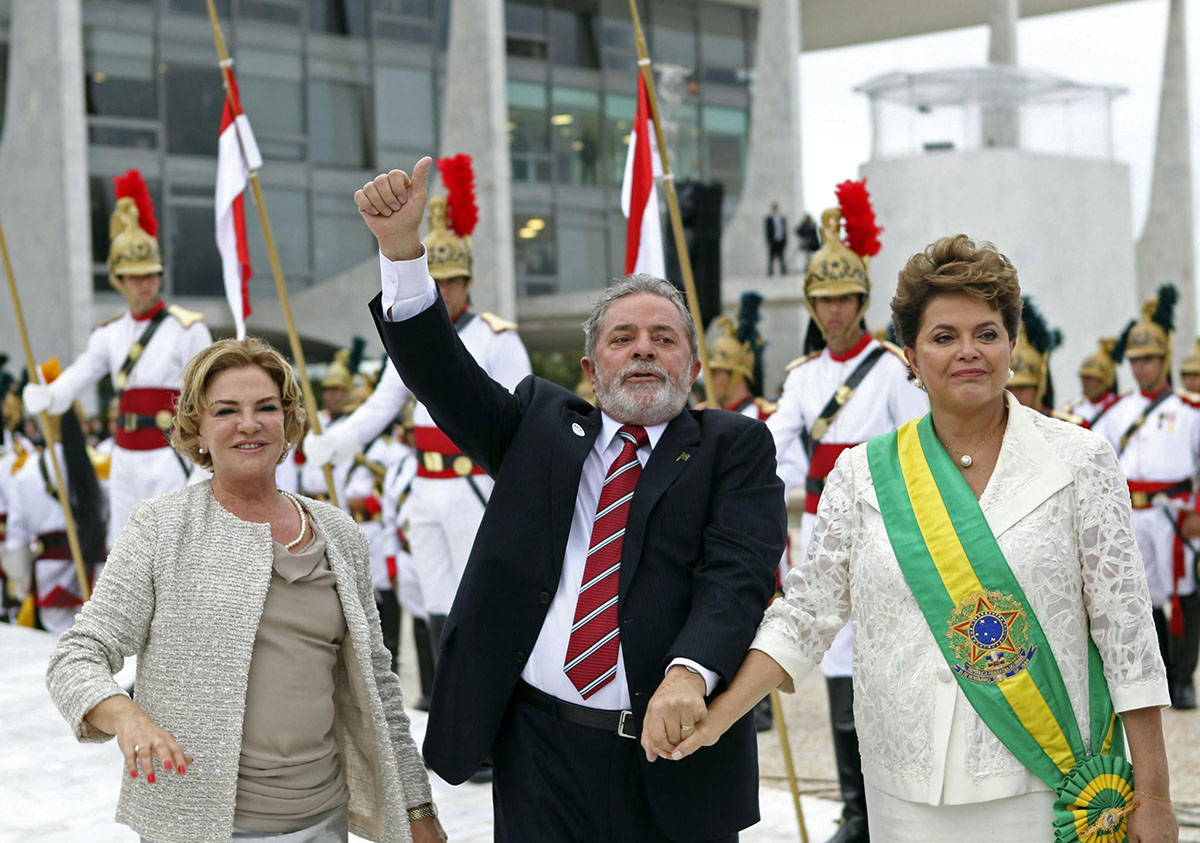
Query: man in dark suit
(775,230)
(619,574)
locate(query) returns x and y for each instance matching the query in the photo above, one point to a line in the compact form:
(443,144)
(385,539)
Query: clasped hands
(677,721)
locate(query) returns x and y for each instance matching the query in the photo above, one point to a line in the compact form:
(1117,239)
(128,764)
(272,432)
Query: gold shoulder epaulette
(801,360)
(497,324)
(1070,406)
(767,407)
(109,321)
(1192,399)
(1067,417)
(895,349)
(101,463)
(186,317)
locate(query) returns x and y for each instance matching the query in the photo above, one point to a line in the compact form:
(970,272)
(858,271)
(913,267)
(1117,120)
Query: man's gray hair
(628,286)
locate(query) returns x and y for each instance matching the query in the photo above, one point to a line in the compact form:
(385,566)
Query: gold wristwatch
(422,812)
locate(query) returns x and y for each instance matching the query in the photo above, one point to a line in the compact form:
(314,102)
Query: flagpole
(35,375)
(668,177)
(310,399)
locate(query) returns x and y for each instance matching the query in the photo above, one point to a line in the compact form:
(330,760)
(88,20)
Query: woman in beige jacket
(265,706)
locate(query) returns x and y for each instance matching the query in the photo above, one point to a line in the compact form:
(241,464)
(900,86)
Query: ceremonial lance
(310,400)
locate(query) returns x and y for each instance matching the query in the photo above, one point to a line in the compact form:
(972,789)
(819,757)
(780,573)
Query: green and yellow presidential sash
(989,635)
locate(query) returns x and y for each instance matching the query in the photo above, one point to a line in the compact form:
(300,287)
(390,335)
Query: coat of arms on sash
(989,635)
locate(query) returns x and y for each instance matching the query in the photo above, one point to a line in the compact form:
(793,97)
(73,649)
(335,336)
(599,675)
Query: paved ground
(55,790)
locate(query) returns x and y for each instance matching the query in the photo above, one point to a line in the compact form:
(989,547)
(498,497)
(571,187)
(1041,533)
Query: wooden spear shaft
(668,179)
(310,399)
(35,375)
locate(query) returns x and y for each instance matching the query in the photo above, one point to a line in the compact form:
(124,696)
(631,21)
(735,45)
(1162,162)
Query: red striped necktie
(591,661)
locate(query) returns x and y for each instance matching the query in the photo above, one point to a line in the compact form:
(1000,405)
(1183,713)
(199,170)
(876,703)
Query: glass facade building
(338,90)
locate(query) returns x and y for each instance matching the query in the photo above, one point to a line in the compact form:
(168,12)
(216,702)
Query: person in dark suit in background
(775,230)
(626,555)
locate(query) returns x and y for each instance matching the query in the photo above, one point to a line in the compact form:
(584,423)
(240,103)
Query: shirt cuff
(406,286)
(710,678)
(783,652)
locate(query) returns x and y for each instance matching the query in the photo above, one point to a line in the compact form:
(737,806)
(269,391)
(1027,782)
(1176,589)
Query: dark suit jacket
(769,231)
(705,531)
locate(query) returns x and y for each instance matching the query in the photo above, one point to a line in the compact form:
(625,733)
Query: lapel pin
(576,429)
(684,457)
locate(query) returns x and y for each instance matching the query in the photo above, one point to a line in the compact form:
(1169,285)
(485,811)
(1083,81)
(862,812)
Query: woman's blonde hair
(955,264)
(222,356)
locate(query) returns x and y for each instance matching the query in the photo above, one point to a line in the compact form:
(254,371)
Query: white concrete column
(44,203)
(474,121)
(1165,250)
(1001,127)
(773,171)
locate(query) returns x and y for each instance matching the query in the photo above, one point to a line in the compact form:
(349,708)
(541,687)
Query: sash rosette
(992,640)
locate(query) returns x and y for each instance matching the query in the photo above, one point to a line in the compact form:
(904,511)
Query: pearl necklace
(966,460)
(303,521)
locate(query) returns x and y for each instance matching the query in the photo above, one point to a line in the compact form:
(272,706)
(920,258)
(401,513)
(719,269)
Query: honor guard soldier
(1030,381)
(36,543)
(852,390)
(1189,369)
(336,388)
(14,450)
(1098,380)
(144,350)
(734,364)
(449,492)
(1155,431)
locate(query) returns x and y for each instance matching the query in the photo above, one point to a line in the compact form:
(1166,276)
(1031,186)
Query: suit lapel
(566,468)
(680,436)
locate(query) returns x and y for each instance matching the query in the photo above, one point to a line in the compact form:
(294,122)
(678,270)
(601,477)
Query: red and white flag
(237,155)
(639,197)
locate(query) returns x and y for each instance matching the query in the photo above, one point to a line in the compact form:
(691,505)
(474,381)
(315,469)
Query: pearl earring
(202,449)
(1010,374)
(918,383)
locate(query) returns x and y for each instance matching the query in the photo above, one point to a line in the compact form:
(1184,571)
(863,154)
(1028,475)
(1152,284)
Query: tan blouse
(289,773)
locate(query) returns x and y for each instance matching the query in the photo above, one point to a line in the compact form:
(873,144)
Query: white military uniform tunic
(136,474)
(443,512)
(1165,449)
(1087,409)
(884,400)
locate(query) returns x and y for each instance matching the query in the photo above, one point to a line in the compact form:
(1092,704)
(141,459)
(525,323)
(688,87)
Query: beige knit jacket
(183,590)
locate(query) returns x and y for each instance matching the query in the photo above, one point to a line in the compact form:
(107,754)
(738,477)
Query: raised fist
(392,205)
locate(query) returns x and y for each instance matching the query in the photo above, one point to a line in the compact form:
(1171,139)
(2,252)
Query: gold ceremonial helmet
(835,270)
(449,255)
(338,376)
(725,352)
(1028,364)
(133,247)
(1147,338)
(1191,363)
(1100,364)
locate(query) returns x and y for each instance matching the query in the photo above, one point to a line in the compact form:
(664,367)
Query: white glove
(39,398)
(333,447)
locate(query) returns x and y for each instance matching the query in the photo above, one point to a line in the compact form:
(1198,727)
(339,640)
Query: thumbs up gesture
(392,205)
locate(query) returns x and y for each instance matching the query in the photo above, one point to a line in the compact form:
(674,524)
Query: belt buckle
(1140,500)
(434,462)
(626,714)
(130,422)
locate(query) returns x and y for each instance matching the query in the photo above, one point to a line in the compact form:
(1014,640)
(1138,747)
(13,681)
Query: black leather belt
(620,723)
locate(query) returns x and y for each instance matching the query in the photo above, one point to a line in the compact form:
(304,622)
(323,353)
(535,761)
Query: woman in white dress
(986,558)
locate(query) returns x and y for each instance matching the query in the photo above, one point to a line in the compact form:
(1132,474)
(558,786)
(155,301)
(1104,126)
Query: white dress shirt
(408,290)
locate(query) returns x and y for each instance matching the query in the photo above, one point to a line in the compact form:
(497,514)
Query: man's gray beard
(645,403)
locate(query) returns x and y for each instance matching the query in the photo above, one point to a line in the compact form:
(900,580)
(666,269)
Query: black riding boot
(1185,650)
(425,659)
(849,763)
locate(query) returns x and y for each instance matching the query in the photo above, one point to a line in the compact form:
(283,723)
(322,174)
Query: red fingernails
(133,774)
(150,778)
(181,770)
(167,764)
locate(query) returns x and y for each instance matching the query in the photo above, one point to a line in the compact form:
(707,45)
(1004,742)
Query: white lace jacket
(1059,507)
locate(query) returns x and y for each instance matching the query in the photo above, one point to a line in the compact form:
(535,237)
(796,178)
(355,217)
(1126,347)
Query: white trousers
(1028,818)
(137,475)
(443,518)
